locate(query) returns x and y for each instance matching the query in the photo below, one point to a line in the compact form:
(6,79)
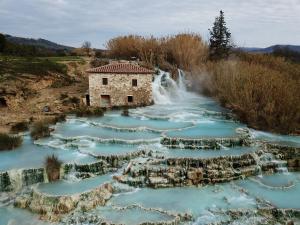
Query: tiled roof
(121,68)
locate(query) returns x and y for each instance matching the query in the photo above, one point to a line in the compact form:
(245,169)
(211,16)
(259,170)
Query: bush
(98,62)
(52,165)
(182,50)
(8,142)
(98,111)
(85,111)
(20,127)
(58,119)
(63,96)
(263,96)
(40,129)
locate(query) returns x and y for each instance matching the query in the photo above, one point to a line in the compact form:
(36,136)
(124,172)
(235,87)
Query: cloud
(252,23)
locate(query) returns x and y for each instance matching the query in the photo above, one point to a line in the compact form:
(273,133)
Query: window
(134,82)
(104,81)
(130,99)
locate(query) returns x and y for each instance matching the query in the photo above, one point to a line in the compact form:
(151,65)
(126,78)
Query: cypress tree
(220,39)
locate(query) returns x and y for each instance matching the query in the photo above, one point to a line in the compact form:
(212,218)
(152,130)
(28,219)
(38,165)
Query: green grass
(53,58)
(11,67)
(64,58)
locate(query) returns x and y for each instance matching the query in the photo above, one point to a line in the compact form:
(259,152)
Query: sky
(253,23)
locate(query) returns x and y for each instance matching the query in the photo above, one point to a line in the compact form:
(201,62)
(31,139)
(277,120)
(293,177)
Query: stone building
(120,84)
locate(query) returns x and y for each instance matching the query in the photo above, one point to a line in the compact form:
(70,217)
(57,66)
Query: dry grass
(20,127)
(40,129)
(8,142)
(182,50)
(262,90)
(85,111)
(52,165)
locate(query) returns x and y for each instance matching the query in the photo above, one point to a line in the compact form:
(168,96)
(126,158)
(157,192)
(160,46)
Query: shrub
(98,111)
(263,96)
(8,142)
(183,50)
(40,129)
(52,165)
(63,96)
(85,111)
(98,62)
(20,127)
(58,119)
(74,100)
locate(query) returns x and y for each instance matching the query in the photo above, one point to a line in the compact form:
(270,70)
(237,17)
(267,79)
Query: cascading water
(166,90)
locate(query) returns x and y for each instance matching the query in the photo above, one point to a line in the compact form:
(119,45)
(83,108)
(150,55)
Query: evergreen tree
(2,42)
(220,39)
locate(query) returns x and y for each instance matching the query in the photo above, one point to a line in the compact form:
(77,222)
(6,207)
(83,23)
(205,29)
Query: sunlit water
(177,114)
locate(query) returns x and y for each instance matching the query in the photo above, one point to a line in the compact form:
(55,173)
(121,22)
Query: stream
(176,114)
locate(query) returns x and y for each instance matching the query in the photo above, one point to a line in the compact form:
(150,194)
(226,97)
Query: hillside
(271,49)
(37,42)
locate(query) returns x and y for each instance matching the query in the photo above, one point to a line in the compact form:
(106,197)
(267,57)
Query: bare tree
(86,46)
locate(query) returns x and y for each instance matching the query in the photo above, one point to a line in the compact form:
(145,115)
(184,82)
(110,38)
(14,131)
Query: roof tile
(121,68)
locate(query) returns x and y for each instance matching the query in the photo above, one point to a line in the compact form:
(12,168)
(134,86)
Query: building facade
(120,84)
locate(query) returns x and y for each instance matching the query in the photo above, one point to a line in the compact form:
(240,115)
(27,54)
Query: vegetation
(40,129)
(219,41)
(86,46)
(85,111)
(52,165)
(8,142)
(24,47)
(58,119)
(287,53)
(35,66)
(20,127)
(182,50)
(262,90)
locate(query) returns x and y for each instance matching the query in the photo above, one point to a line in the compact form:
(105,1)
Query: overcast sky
(258,23)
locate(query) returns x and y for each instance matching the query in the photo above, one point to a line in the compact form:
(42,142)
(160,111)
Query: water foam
(166,91)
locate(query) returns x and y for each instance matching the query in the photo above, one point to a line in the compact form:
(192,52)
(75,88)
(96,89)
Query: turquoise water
(181,115)
(198,153)
(281,190)
(30,155)
(13,216)
(104,149)
(64,187)
(207,129)
(293,141)
(76,129)
(133,216)
(188,199)
(136,122)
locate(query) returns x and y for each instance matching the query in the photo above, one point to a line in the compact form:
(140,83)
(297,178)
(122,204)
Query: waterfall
(168,91)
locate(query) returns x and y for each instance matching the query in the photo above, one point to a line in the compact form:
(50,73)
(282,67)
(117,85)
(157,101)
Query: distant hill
(271,49)
(37,42)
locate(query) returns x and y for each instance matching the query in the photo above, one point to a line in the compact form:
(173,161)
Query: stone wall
(119,87)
